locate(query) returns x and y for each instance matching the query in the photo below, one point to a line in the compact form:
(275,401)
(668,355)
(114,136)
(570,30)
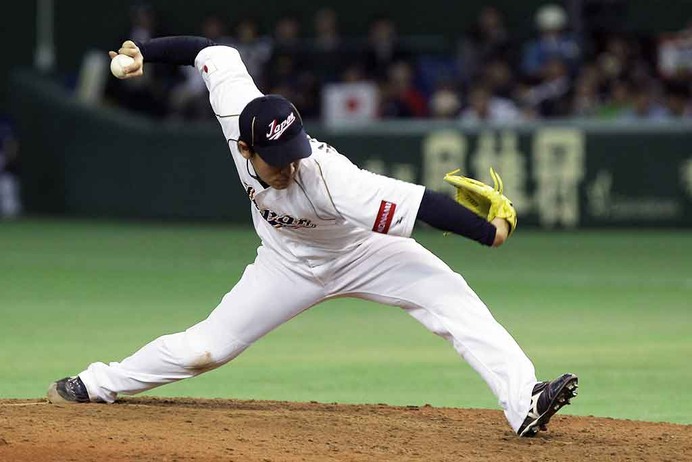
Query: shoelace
(75,389)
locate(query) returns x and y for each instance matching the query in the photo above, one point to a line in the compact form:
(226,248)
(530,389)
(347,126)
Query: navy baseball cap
(272,127)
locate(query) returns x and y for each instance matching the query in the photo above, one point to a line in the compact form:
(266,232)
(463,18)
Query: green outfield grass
(614,307)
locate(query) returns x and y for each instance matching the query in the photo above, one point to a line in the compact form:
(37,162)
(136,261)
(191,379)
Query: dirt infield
(142,429)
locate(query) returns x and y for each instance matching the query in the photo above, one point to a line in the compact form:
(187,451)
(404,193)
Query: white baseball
(118,63)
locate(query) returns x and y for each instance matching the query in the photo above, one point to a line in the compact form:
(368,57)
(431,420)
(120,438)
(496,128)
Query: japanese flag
(349,102)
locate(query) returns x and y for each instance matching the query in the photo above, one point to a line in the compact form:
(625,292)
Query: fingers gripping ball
(485,201)
(119,64)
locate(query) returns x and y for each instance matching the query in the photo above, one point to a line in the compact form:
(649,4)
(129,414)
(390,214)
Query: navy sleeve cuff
(444,213)
(180,50)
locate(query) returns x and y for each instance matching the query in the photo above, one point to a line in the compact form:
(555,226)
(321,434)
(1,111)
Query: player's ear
(244,149)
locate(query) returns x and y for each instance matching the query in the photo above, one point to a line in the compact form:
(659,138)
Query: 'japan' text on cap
(272,127)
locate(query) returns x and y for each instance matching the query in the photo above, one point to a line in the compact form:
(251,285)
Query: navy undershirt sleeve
(180,50)
(444,213)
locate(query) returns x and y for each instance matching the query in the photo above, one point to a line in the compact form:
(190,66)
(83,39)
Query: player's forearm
(180,50)
(442,212)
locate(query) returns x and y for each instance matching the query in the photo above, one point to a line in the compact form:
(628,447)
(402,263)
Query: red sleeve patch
(384,217)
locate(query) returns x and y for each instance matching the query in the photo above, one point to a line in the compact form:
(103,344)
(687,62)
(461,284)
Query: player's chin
(281,184)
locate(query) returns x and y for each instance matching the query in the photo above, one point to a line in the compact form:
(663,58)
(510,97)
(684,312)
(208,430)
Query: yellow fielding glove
(486,202)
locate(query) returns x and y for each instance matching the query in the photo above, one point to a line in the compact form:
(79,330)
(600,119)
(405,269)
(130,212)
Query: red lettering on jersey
(384,217)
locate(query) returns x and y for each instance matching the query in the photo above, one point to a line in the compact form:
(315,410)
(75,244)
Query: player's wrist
(501,231)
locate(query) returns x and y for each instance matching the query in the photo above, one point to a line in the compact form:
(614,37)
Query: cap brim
(283,154)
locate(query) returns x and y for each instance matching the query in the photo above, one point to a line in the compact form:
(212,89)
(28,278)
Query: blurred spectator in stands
(551,96)
(327,54)
(383,48)
(10,202)
(215,27)
(286,39)
(149,94)
(400,97)
(553,42)
(445,102)
(289,72)
(189,99)
(678,100)
(287,32)
(674,54)
(353,72)
(285,71)
(484,107)
(586,101)
(527,112)
(143,21)
(498,75)
(307,99)
(288,54)
(301,89)
(487,40)
(617,102)
(326,30)
(621,58)
(255,49)
(613,59)
(645,105)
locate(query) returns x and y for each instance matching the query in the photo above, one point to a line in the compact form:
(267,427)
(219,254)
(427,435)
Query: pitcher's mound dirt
(157,429)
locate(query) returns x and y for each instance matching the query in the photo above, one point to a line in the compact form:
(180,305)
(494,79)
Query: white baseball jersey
(331,205)
(335,231)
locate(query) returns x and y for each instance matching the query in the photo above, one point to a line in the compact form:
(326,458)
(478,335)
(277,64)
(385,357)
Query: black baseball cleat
(68,390)
(548,398)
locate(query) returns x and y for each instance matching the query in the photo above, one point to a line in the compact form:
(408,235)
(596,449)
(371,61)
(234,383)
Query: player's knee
(206,355)
(195,356)
(202,361)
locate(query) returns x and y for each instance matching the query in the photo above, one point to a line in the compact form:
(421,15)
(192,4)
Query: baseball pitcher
(328,229)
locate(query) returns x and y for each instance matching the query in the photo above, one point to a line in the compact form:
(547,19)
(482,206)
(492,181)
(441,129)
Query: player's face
(276,177)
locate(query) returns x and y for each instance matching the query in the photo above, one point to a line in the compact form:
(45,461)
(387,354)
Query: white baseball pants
(386,269)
